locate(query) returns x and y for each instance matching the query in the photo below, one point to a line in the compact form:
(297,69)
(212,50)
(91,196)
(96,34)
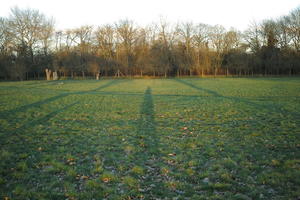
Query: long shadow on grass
(110,83)
(173,95)
(51,99)
(146,123)
(7,113)
(45,119)
(12,119)
(213,93)
(31,124)
(269,108)
(147,143)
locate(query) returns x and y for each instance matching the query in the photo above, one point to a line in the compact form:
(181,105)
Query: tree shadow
(39,83)
(270,108)
(51,99)
(110,83)
(142,94)
(43,119)
(213,93)
(10,115)
(20,142)
(32,105)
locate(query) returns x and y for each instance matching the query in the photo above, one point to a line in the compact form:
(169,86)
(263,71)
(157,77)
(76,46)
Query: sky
(229,13)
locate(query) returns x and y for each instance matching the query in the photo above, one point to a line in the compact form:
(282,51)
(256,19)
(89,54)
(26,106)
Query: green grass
(147,139)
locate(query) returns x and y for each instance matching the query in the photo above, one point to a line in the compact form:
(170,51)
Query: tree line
(31,48)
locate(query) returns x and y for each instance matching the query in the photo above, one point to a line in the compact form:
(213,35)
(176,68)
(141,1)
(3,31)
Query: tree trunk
(48,74)
(55,77)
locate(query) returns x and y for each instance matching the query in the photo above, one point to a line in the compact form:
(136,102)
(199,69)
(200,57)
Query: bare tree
(126,35)
(284,38)
(5,50)
(201,41)
(232,42)
(84,34)
(105,46)
(187,32)
(166,40)
(27,29)
(29,45)
(293,21)
(217,34)
(253,37)
(142,51)
(269,32)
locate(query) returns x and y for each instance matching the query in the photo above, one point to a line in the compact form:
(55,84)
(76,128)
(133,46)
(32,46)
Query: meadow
(222,138)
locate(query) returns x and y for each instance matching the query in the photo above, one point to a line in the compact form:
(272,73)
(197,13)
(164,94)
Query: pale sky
(229,13)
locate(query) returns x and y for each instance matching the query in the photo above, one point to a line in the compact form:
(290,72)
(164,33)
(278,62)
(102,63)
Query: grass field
(150,139)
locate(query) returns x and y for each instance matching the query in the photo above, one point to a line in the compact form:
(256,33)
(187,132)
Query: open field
(130,139)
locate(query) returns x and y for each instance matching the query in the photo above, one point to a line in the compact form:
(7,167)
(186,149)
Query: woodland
(31,48)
